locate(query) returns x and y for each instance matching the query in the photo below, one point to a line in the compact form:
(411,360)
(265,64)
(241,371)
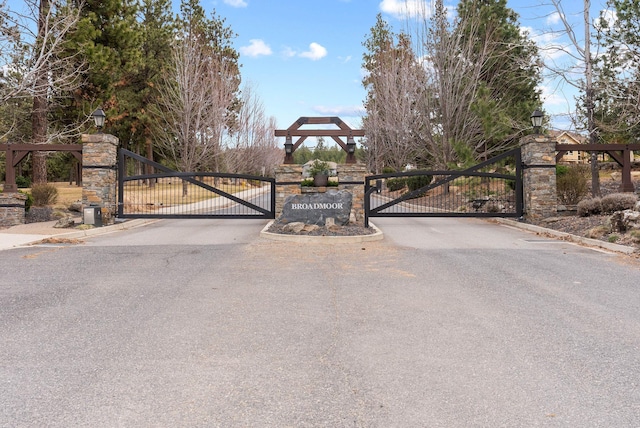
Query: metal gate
(490,189)
(147,189)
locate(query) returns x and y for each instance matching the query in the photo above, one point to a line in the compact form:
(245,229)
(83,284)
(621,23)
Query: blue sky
(304,56)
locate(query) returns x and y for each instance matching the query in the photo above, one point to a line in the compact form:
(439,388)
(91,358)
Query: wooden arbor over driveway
(336,134)
(620,153)
(17,152)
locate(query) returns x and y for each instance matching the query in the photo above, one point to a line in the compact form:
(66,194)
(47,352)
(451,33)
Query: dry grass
(142,198)
(145,198)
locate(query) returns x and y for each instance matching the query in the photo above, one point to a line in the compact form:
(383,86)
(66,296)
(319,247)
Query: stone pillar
(99,165)
(288,178)
(12,207)
(351,178)
(539,176)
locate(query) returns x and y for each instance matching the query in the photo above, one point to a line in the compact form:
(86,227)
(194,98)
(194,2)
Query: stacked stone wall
(12,207)
(350,178)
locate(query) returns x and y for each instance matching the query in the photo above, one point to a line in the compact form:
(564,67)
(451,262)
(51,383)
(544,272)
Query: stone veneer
(12,209)
(539,176)
(288,178)
(99,160)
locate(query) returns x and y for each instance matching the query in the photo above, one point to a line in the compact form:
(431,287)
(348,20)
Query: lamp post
(98,118)
(536,120)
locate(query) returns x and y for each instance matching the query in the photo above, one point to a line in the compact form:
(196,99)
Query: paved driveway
(445,323)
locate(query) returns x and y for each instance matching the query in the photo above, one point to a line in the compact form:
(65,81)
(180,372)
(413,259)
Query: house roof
(570,137)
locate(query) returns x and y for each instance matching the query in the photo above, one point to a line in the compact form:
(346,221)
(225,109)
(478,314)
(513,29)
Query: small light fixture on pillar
(98,118)
(351,150)
(288,151)
(351,145)
(536,121)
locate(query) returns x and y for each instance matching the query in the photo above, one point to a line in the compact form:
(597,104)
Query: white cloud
(287,52)
(406,8)
(554,18)
(315,52)
(236,3)
(257,48)
(349,111)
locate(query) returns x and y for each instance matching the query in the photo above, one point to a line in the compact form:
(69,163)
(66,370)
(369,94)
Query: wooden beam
(319,133)
(596,147)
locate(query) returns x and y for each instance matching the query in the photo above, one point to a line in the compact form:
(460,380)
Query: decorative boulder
(316,208)
(621,221)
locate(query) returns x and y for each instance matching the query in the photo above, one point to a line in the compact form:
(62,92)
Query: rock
(334,228)
(309,228)
(65,222)
(75,207)
(622,221)
(295,227)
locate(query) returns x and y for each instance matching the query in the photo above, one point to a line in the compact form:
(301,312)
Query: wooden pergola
(620,153)
(17,152)
(343,130)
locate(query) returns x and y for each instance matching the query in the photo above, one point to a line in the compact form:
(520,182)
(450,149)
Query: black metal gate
(490,189)
(147,189)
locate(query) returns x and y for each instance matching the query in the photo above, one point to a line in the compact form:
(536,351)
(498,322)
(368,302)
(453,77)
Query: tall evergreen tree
(509,70)
(617,74)
(109,40)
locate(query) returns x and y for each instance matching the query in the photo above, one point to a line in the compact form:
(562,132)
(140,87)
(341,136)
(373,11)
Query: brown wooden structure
(336,134)
(621,153)
(17,152)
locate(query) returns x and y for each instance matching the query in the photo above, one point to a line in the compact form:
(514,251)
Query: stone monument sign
(316,208)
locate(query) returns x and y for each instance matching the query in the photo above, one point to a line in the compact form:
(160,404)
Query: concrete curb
(568,237)
(125,225)
(377,236)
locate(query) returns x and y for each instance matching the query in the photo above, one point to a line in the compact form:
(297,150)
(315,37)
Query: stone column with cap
(99,167)
(539,176)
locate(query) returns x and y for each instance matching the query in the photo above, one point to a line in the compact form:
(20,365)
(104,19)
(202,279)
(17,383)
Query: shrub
(572,185)
(23,182)
(417,181)
(44,194)
(618,202)
(591,206)
(394,184)
(388,170)
(561,170)
(29,202)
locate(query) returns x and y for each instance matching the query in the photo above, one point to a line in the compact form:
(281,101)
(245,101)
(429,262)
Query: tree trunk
(149,169)
(39,112)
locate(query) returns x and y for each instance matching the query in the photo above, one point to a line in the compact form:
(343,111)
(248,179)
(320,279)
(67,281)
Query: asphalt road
(201,323)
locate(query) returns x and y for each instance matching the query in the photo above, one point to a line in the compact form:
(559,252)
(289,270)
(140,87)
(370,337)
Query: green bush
(44,194)
(618,202)
(23,182)
(561,170)
(29,202)
(418,181)
(394,184)
(388,170)
(572,185)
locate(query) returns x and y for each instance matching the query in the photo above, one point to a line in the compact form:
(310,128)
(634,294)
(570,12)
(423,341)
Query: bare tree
(34,68)
(395,83)
(195,99)
(580,51)
(250,147)
(465,90)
